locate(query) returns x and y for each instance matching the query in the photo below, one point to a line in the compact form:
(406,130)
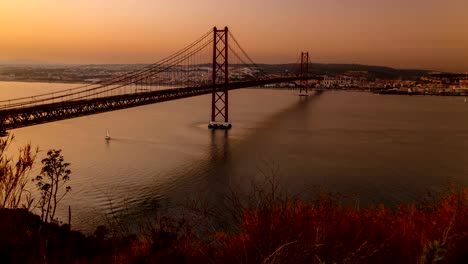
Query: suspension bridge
(213,64)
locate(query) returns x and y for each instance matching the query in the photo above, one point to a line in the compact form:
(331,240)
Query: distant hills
(338,69)
(370,72)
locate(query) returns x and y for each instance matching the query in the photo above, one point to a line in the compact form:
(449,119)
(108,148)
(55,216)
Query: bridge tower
(304,84)
(219,98)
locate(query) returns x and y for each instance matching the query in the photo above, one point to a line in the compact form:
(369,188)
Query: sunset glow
(429,34)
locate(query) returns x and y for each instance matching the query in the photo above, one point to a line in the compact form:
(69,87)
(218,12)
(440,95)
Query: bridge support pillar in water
(304,87)
(219,125)
(219,98)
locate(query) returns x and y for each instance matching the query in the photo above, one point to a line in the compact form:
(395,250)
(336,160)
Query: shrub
(14,175)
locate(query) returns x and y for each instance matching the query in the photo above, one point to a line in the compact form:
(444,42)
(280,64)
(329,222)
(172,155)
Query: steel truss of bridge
(34,115)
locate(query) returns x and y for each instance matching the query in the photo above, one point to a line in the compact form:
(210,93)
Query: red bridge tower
(219,99)
(305,74)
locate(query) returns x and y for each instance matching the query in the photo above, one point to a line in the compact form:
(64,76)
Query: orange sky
(430,34)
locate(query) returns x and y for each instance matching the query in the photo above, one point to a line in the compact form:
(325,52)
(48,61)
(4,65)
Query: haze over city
(417,34)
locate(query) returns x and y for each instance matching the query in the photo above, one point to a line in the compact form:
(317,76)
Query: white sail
(107,135)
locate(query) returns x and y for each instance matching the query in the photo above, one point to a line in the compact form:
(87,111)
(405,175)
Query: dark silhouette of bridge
(209,65)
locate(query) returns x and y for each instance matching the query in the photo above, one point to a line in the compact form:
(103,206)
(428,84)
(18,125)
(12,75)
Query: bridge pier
(219,125)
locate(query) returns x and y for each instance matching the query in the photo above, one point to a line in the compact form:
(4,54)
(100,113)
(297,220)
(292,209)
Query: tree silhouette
(53,177)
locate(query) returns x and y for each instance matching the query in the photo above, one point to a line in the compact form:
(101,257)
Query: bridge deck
(33,115)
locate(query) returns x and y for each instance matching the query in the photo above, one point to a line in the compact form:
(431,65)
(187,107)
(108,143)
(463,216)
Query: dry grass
(323,231)
(285,231)
(14,175)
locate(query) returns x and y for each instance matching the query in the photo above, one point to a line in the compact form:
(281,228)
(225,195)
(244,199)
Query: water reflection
(219,145)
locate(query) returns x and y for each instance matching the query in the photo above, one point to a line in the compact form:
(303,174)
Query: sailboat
(107,135)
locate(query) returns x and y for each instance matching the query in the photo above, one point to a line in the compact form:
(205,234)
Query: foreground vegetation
(269,227)
(320,231)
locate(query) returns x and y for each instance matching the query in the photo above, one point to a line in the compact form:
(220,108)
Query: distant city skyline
(418,34)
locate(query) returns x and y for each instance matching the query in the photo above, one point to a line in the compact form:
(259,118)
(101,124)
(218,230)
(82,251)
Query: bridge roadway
(39,114)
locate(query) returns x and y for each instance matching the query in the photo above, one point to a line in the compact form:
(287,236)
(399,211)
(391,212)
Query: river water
(378,148)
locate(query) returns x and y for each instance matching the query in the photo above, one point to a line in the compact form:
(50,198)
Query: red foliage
(325,232)
(273,231)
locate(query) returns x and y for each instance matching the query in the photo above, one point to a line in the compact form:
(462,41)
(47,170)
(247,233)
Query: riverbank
(276,229)
(402,92)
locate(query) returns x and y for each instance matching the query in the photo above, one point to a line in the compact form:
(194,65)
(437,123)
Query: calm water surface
(386,149)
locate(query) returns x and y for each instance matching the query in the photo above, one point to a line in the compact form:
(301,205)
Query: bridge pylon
(304,83)
(219,98)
